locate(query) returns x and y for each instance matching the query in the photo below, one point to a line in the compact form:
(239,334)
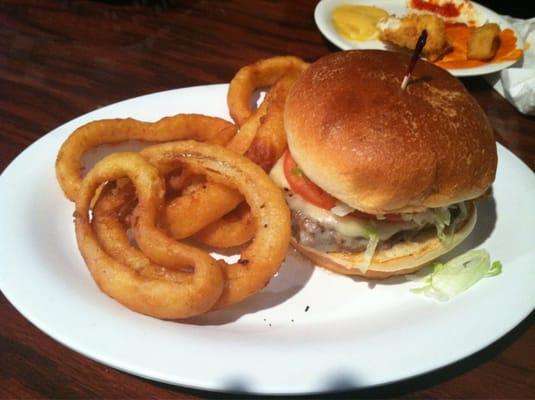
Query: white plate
(355,333)
(322,16)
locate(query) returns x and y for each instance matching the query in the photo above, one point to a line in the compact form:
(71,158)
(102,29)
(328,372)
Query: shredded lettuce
(457,275)
(442,219)
(369,253)
(341,209)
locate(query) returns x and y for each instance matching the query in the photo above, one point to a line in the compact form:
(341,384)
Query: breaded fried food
(484,42)
(404,32)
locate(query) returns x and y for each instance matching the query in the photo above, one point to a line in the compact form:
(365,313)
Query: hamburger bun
(380,149)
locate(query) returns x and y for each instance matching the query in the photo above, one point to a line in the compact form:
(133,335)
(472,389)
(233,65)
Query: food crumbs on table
(307,308)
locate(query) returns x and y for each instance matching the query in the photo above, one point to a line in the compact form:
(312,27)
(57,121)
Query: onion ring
(187,214)
(263,139)
(113,207)
(269,143)
(252,77)
(233,229)
(162,298)
(193,211)
(260,260)
(241,142)
(93,134)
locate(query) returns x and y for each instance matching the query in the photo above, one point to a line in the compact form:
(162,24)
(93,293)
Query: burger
(381,180)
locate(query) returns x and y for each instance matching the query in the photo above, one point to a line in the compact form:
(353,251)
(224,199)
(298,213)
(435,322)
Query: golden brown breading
(405,31)
(484,42)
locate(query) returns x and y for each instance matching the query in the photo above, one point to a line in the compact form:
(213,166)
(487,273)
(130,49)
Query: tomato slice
(304,187)
(312,193)
(386,217)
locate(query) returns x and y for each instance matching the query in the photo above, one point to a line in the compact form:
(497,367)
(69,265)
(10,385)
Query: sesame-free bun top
(380,149)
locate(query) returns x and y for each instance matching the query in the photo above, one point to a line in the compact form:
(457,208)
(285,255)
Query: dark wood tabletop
(61,59)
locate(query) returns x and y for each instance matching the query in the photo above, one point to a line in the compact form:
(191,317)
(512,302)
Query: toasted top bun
(381,149)
(402,258)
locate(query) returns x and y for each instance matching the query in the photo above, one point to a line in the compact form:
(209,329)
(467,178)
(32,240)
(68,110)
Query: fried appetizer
(404,32)
(484,42)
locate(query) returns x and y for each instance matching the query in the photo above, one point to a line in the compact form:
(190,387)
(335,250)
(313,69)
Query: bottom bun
(400,259)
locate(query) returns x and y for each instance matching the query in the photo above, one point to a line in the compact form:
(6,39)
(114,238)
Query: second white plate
(322,16)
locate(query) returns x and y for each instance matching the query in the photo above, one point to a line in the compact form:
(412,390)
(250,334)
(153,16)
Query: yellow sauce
(357,23)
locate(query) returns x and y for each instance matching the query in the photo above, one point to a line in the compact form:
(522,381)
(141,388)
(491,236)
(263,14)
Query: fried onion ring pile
(159,297)
(139,215)
(166,278)
(260,137)
(262,257)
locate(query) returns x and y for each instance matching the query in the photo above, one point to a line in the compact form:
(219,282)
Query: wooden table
(61,59)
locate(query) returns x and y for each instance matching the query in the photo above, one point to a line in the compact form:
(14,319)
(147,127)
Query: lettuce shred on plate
(457,275)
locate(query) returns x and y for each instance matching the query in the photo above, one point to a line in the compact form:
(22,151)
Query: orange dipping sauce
(459,35)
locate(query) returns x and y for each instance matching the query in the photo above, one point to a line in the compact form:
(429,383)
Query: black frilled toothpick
(415,56)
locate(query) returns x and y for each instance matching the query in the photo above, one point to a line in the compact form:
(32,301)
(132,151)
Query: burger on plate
(381,180)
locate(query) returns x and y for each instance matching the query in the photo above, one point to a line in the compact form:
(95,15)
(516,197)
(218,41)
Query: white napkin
(517,83)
